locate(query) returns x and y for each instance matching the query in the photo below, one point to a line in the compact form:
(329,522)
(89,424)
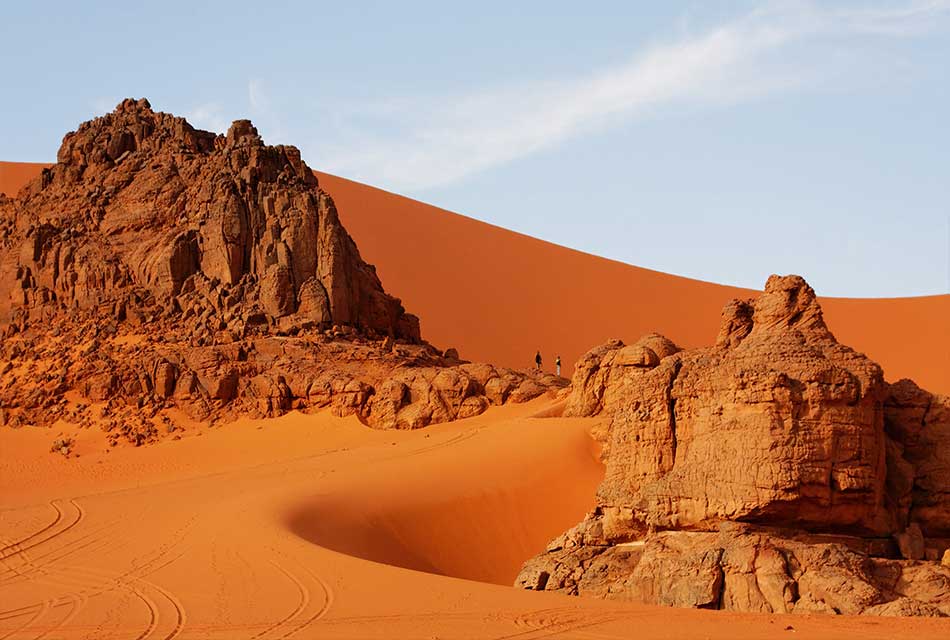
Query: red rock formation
(776,426)
(141,202)
(158,266)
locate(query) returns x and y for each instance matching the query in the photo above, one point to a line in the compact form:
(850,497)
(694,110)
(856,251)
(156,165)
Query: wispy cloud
(214,116)
(418,144)
(209,116)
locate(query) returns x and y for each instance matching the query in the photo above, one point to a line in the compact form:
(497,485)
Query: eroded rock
(157,266)
(778,427)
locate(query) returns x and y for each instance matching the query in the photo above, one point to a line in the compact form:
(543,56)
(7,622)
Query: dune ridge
(497,295)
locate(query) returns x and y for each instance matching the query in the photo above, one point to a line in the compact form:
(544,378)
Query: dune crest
(506,294)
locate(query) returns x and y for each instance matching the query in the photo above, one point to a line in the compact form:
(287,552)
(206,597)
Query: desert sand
(318,526)
(497,295)
(278,528)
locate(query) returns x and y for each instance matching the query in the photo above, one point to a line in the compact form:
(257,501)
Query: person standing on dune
(537,360)
(557,365)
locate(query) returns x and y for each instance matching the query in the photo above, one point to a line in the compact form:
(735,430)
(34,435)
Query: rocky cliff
(157,266)
(775,471)
(140,204)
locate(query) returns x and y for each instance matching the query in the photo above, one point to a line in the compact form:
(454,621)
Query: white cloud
(209,116)
(427,143)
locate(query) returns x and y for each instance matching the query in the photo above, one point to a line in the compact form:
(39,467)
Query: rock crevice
(760,473)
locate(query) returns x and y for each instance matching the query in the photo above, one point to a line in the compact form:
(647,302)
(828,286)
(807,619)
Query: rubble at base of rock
(775,471)
(158,269)
(743,568)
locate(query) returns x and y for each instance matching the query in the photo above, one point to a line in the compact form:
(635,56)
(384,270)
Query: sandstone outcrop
(157,267)
(759,473)
(141,208)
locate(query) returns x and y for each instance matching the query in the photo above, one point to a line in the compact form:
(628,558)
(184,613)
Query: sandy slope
(229,535)
(498,296)
(276,529)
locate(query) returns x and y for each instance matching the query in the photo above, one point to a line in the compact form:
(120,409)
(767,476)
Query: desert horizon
(557,314)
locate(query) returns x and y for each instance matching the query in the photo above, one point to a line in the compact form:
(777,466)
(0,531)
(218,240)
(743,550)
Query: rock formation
(157,266)
(141,205)
(775,471)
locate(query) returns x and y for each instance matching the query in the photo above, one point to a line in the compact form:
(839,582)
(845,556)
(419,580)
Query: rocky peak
(243,132)
(736,323)
(157,268)
(133,125)
(789,303)
(141,200)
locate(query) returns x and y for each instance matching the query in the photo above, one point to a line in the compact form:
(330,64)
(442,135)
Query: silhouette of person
(557,364)
(537,360)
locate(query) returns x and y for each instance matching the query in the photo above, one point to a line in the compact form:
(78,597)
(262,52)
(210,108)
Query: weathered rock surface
(141,208)
(777,427)
(160,267)
(741,568)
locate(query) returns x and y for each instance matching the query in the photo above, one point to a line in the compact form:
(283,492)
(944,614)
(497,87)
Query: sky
(723,141)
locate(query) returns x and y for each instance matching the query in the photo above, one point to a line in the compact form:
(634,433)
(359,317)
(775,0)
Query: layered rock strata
(773,471)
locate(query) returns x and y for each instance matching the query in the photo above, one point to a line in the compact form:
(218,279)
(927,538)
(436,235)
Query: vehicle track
(85,583)
(10,545)
(455,439)
(16,547)
(81,583)
(290,624)
(546,623)
(56,554)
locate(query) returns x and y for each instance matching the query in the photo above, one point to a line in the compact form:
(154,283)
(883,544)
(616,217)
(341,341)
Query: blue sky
(718,140)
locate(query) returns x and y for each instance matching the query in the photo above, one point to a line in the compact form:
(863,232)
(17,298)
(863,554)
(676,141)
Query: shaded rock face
(157,269)
(776,426)
(141,201)
(740,568)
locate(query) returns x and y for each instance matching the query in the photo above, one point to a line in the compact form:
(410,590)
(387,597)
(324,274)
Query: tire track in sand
(546,623)
(81,583)
(84,583)
(17,547)
(41,609)
(291,623)
(455,439)
(53,556)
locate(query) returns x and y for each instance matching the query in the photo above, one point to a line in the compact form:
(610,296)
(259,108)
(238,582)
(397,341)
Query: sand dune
(313,526)
(230,535)
(498,296)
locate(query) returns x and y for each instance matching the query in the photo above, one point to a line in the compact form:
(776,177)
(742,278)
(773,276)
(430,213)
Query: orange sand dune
(13,175)
(312,526)
(498,296)
(237,534)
